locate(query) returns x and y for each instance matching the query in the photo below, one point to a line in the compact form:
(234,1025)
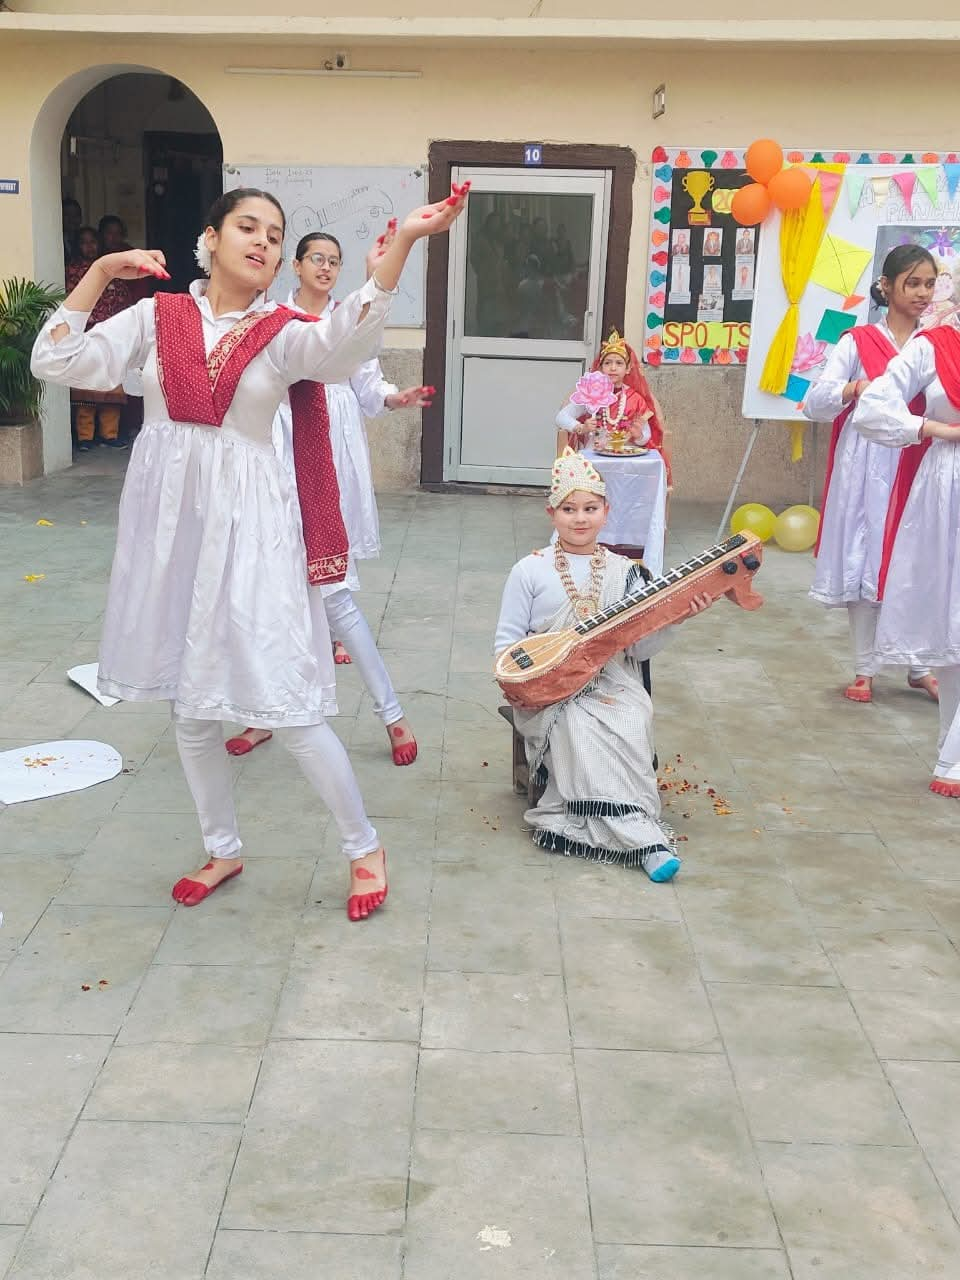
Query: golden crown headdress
(573,472)
(615,346)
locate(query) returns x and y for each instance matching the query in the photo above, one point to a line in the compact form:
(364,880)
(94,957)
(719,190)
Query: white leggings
(948,744)
(349,626)
(863,616)
(319,753)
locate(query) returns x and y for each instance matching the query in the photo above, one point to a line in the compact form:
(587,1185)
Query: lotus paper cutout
(594,391)
(808,354)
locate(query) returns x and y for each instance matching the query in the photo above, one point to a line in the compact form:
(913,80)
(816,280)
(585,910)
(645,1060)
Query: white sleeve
(331,348)
(882,414)
(650,645)
(824,401)
(371,388)
(568,419)
(516,609)
(98,359)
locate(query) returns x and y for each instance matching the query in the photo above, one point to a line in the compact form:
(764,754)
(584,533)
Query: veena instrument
(543,669)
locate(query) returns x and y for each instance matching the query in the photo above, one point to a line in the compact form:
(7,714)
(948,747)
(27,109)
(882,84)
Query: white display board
(352,203)
(878,206)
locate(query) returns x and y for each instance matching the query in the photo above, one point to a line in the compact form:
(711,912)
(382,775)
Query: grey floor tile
(929,1093)
(894,959)
(852,880)
(355,997)
(751,930)
(634,984)
(497,1092)
(852,1213)
(27,885)
(498,1204)
(804,1068)
(10,1238)
(489,1012)
(611,893)
(44,1081)
(110,1210)
(676,1117)
(900,1025)
(494,919)
(204,1004)
(175,1083)
(81,969)
(242,930)
(301,1255)
(652,1262)
(345,1110)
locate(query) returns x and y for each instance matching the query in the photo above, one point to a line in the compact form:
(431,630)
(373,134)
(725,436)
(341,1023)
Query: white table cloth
(637,493)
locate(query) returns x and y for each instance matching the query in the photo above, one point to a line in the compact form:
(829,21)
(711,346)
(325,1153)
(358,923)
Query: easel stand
(725,520)
(811,479)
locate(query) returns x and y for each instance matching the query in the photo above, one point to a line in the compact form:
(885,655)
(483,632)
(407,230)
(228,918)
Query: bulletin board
(878,206)
(701,269)
(686,323)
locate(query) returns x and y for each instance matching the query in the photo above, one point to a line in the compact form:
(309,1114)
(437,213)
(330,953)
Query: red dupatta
(200,388)
(946,348)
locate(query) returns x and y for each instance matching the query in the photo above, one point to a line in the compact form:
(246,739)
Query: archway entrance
(142,148)
(128,142)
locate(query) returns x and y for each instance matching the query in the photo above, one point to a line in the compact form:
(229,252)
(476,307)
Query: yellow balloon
(753,517)
(796,528)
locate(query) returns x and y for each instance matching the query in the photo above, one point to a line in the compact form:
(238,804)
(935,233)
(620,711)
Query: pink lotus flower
(809,353)
(594,391)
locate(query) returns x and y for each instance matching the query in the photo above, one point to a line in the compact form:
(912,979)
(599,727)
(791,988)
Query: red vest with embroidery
(200,388)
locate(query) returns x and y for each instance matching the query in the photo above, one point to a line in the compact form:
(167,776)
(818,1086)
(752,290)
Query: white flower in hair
(202,254)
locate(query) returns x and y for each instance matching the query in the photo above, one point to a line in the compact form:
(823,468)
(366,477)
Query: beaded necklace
(584,603)
(605,416)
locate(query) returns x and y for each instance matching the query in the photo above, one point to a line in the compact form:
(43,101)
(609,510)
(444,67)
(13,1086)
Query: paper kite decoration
(839,265)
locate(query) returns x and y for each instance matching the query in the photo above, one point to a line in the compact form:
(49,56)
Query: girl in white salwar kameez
(920,571)
(365,394)
(207,606)
(860,473)
(601,800)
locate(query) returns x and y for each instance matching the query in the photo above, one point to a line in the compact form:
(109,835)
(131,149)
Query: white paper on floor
(53,768)
(86,677)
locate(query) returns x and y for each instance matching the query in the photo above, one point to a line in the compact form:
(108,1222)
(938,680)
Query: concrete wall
(830,100)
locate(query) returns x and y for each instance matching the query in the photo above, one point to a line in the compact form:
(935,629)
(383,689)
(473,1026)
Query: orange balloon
(750,204)
(790,189)
(764,159)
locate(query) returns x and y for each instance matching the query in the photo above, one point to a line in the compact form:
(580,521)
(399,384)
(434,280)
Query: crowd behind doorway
(108,418)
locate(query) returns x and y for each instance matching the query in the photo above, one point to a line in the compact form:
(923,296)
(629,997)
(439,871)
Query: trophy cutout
(697,185)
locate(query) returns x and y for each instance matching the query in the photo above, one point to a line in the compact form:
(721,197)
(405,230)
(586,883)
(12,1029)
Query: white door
(525,287)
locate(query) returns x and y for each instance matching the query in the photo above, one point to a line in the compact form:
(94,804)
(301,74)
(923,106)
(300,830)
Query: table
(637,493)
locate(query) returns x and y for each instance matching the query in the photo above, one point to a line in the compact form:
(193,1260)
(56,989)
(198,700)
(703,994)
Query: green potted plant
(24,306)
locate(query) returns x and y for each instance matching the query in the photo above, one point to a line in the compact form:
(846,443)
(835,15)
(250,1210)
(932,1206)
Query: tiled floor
(525,1066)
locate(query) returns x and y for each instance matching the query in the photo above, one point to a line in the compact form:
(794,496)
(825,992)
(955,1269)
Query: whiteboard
(352,203)
(872,214)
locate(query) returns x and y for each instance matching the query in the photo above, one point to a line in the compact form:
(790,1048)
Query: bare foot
(340,656)
(368,884)
(402,742)
(194,888)
(246,741)
(928,683)
(861,690)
